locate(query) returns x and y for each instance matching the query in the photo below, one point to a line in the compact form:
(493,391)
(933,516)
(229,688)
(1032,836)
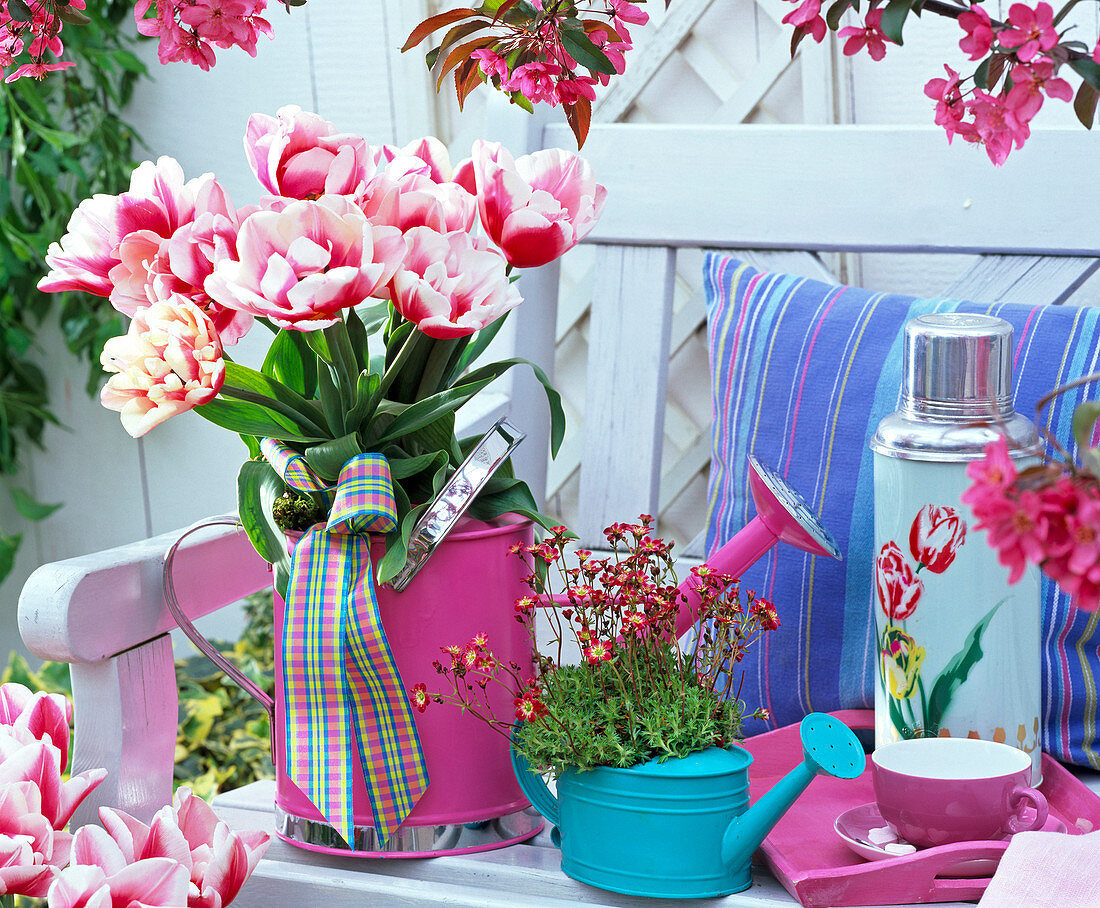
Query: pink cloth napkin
(1041,869)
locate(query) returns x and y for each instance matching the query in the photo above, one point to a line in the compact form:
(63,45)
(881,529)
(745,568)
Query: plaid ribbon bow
(343,694)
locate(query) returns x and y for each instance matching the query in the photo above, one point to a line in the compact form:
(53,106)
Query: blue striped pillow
(802,373)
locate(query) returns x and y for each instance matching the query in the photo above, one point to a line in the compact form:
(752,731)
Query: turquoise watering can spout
(828,746)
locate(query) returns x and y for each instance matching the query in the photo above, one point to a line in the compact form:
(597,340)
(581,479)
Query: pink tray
(817,868)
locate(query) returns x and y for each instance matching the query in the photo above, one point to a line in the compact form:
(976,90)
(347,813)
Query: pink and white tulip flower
(299,155)
(159,201)
(451,285)
(415,200)
(31,849)
(415,189)
(169,362)
(152,267)
(217,861)
(302,266)
(155,883)
(34,716)
(432,156)
(40,763)
(537,207)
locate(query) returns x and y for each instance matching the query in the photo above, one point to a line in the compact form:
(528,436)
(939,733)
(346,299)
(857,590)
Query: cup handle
(533,785)
(1020,795)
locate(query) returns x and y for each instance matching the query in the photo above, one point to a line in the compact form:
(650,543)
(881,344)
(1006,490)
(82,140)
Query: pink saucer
(854,827)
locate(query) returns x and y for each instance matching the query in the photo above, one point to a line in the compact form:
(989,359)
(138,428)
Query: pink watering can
(781,516)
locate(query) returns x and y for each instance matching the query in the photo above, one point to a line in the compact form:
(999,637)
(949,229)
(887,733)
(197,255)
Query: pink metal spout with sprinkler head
(781,516)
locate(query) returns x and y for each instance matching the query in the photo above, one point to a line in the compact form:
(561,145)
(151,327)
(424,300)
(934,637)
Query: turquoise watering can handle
(534,787)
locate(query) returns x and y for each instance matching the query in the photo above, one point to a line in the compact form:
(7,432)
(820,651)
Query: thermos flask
(957,645)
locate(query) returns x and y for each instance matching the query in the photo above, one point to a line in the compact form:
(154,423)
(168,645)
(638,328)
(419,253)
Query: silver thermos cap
(957,365)
(956,392)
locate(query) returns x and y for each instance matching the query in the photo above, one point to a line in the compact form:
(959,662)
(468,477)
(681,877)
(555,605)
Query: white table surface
(519,876)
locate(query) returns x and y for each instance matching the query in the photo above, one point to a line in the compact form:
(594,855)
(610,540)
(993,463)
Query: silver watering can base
(410,841)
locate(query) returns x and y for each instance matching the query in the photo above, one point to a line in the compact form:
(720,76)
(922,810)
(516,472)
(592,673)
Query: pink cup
(939,790)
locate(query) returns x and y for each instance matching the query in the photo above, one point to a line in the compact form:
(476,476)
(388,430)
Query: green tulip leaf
(328,458)
(252,419)
(291,361)
(293,405)
(258,485)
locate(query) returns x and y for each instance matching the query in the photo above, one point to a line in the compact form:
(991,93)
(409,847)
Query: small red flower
(529,707)
(598,651)
(419,697)
(480,640)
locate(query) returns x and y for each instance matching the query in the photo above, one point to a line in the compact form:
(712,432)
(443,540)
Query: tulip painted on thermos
(957,649)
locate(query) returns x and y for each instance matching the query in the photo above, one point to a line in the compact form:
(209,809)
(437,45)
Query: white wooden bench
(778,195)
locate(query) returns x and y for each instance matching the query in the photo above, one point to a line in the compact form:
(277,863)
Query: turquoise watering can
(682,828)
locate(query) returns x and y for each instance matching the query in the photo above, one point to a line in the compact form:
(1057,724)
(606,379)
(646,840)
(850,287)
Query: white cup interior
(951,758)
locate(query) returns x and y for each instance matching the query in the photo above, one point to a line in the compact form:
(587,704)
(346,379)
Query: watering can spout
(782,516)
(828,747)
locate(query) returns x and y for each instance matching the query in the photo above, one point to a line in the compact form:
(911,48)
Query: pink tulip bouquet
(383,273)
(1047,514)
(186,858)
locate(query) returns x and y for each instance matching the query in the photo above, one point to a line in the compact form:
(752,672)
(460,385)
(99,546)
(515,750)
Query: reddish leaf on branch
(595,25)
(467,78)
(434,23)
(461,53)
(579,117)
(1084,104)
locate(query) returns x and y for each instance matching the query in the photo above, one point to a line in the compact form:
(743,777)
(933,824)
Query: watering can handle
(195,635)
(535,788)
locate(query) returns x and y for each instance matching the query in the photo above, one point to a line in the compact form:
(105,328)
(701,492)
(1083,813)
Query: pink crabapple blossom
(1031,31)
(979,32)
(869,35)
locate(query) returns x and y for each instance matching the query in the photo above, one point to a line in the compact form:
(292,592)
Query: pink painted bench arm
(105,615)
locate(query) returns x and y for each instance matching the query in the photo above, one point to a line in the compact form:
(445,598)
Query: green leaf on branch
(29,507)
(981,74)
(19,11)
(1087,70)
(582,49)
(835,12)
(893,19)
(9,545)
(1084,423)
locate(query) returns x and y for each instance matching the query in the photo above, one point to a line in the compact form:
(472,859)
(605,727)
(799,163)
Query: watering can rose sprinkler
(683,828)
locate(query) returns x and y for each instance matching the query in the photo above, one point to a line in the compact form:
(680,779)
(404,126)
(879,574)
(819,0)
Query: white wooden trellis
(729,56)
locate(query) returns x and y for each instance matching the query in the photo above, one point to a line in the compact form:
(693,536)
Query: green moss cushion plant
(634,695)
